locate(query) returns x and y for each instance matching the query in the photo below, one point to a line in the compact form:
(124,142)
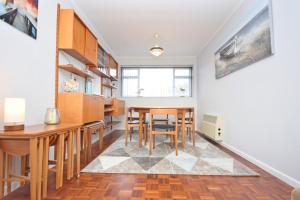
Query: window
(156,81)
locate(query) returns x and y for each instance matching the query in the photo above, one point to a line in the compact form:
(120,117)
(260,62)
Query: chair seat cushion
(163,126)
(135,122)
(160,120)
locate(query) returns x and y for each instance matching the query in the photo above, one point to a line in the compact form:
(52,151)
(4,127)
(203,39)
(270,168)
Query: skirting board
(285,178)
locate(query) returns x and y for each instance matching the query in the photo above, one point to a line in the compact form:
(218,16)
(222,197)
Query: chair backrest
(164,111)
(189,115)
(131,115)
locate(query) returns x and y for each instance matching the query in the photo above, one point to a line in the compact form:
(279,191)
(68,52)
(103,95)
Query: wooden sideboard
(76,39)
(80,108)
(118,107)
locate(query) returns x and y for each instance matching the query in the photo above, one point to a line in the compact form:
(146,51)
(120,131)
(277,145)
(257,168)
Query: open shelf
(108,110)
(98,72)
(109,86)
(71,68)
(113,78)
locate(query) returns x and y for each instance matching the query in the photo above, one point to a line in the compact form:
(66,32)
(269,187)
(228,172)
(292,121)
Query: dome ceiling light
(156,50)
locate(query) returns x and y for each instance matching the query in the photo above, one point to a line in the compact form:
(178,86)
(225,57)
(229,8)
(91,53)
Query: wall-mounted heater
(212,127)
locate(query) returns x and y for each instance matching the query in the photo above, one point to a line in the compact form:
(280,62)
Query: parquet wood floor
(167,187)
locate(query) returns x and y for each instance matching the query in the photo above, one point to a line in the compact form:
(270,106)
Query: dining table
(34,141)
(143,110)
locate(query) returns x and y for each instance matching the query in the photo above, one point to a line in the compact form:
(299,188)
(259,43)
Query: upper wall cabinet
(76,39)
(113,65)
(91,47)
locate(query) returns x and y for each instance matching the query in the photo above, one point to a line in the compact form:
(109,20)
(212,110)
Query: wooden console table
(34,141)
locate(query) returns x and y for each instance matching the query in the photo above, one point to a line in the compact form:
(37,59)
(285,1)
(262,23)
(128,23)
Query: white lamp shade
(14,111)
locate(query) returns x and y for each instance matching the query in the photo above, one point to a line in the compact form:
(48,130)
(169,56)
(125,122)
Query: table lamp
(14,114)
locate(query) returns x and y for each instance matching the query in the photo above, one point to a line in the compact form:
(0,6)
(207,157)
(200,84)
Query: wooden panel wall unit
(76,39)
(91,47)
(114,66)
(118,107)
(80,108)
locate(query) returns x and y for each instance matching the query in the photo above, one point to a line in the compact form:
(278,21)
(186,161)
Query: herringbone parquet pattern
(119,187)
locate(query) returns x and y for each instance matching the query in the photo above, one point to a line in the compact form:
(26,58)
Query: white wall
(260,103)
(27,66)
(163,101)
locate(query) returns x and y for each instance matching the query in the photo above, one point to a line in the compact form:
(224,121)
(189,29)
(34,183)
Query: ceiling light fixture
(156,50)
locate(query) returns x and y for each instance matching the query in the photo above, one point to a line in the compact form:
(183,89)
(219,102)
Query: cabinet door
(91,47)
(87,109)
(78,36)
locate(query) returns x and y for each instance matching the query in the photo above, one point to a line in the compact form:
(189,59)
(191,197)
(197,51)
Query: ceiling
(184,26)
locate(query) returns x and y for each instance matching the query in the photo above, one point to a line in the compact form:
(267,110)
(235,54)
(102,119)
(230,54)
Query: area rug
(203,159)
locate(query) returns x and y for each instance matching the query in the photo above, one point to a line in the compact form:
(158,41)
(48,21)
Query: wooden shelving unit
(113,78)
(98,72)
(109,86)
(72,69)
(108,110)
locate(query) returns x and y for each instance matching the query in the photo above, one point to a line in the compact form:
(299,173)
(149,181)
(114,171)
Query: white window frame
(138,68)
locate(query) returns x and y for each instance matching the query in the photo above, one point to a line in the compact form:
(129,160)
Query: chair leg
(70,156)
(126,136)
(131,131)
(176,145)
(153,141)
(150,144)
(145,135)
(101,137)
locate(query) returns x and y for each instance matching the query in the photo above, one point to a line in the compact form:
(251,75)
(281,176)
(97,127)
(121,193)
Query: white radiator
(212,127)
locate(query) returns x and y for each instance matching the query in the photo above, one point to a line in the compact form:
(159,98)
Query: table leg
(69,162)
(2,172)
(9,172)
(33,168)
(45,167)
(78,152)
(140,128)
(193,128)
(183,128)
(40,168)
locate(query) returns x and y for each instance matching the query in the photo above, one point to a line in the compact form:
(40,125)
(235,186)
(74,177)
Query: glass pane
(129,87)
(130,72)
(183,72)
(113,72)
(156,82)
(182,87)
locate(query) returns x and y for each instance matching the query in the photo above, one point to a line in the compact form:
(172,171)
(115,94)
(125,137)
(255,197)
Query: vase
(52,116)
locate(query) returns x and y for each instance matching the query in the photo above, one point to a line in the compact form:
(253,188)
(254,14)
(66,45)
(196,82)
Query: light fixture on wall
(156,50)
(14,114)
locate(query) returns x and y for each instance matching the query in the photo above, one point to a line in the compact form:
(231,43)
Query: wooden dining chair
(189,124)
(163,129)
(133,122)
(161,120)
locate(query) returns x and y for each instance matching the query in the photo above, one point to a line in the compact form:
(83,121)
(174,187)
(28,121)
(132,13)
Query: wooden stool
(87,131)
(59,141)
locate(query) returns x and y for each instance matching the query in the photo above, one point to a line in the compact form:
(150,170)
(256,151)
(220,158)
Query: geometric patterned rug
(203,159)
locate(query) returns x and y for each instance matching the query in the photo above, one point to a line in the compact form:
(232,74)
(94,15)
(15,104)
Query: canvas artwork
(252,43)
(21,14)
